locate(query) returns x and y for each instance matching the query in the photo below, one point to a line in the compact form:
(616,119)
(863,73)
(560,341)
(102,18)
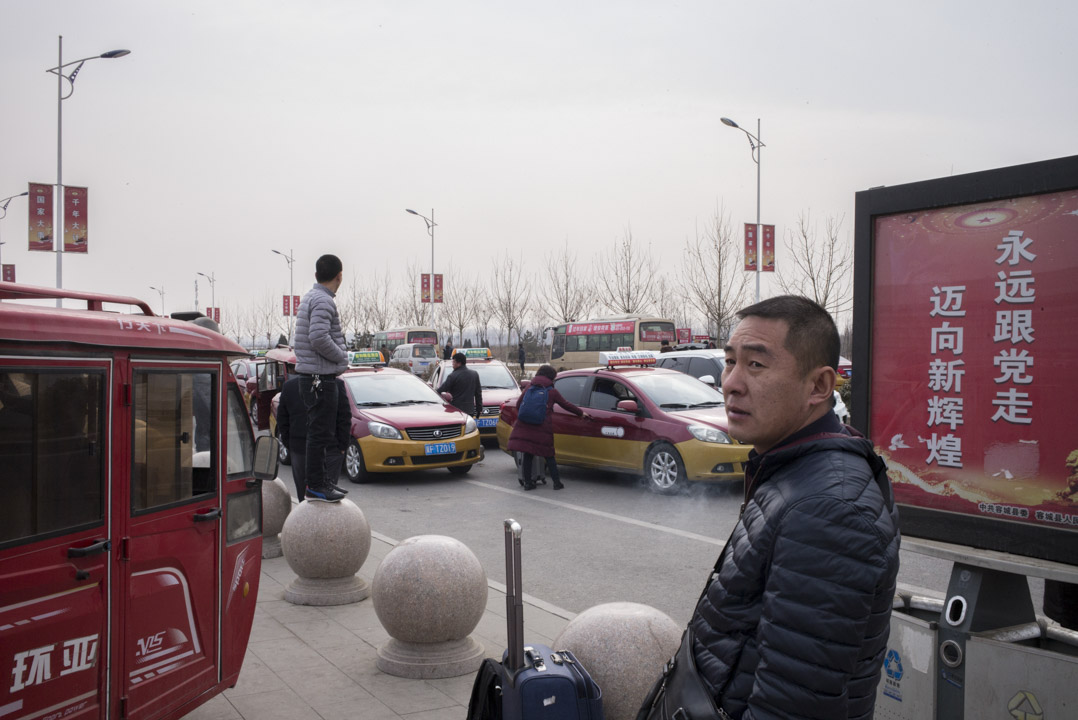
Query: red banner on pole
(769,249)
(286,303)
(750,248)
(295,304)
(438,287)
(76,215)
(424,283)
(40,217)
(9,273)
(214,314)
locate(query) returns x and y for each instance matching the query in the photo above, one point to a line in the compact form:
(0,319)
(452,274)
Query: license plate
(488,422)
(441,448)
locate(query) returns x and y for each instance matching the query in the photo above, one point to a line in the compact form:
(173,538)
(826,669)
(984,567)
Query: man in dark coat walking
(521,355)
(464,386)
(538,440)
(795,621)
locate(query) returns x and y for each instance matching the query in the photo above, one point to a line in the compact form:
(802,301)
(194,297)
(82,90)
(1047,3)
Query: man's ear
(823,385)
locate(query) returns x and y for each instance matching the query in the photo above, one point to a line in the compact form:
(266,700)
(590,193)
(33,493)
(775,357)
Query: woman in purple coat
(538,440)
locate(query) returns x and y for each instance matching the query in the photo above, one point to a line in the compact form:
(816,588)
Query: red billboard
(40,217)
(970,391)
(76,216)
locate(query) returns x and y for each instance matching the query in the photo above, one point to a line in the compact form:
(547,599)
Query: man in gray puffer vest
(794,624)
(320,358)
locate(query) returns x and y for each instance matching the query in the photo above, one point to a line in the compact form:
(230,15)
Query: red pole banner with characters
(973,343)
(424,284)
(76,215)
(40,217)
(438,288)
(286,303)
(8,273)
(295,304)
(750,248)
(768,248)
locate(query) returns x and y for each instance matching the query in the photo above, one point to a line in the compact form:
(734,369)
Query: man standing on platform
(320,358)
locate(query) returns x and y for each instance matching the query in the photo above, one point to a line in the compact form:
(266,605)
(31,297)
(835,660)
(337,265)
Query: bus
(131,524)
(578,344)
(388,340)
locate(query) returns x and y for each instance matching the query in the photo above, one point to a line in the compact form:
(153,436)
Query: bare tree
(822,263)
(569,296)
(667,299)
(713,276)
(626,277)
(461,297)
(409,301)
(354,307)
(380,300)
(266,316)
(510,295)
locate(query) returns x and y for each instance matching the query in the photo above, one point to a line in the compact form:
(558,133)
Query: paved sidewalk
(311,663)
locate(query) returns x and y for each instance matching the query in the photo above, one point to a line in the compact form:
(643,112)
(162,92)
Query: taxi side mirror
(709,379)
(628,406)
(267,457)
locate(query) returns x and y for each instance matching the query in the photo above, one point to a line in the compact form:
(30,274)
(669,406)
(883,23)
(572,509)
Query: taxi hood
(419,415)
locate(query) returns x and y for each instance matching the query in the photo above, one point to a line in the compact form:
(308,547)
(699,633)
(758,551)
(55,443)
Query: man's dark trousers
(321,404)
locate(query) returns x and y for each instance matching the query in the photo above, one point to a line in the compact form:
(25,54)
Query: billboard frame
(1039,178)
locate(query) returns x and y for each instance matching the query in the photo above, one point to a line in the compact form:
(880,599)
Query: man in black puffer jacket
(795,623)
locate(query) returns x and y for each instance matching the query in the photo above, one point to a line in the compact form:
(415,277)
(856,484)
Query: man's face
(766,397)
(457,365)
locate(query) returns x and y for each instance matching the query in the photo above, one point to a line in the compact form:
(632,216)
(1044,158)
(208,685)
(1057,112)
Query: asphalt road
(604,538)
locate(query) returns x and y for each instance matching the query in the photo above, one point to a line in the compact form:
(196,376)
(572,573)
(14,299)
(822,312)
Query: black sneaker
(327,494)
(339,489)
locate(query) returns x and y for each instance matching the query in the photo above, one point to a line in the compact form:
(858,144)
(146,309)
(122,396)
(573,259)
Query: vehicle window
(174,445)
(52,451)
(681,364)
(496,377)
(241,449)
(572,388)
(373,390)
(698,367)
(606,394)
(423,351)
(676,391)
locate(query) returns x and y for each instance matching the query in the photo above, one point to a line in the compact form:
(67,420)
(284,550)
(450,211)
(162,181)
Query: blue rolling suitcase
(532,682)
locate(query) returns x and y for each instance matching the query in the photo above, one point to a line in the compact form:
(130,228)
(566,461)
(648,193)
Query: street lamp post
(3,207)
(291,290)
(756,144)
(161,292)
(58,201)
(213,294)
(430,230)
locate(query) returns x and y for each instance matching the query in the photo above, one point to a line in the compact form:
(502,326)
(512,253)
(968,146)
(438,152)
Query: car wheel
(283,453)
(460,469)
(354,467)
(254,411)
(663,470)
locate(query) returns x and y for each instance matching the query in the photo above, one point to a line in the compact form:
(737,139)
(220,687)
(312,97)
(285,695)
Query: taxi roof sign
(623,359)
(365,357)
(473,353)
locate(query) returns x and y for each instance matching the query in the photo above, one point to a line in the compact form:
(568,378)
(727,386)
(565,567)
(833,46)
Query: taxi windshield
(496,377)
(423,351)
(380,390)
(677,391)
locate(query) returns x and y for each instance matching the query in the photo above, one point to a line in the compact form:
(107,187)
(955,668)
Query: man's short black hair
(461,358)
(811,337)
(327,267)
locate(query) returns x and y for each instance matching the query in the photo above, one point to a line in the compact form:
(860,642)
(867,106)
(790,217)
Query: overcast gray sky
(238,127)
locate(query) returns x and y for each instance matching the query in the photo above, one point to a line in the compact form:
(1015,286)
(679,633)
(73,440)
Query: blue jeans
(321,405)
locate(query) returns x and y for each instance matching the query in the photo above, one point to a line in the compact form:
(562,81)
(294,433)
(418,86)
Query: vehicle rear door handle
(206,516)
(98,547)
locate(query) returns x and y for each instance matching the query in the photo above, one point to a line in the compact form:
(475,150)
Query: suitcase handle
(514,601)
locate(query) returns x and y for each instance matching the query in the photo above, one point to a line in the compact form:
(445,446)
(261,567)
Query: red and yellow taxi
(499,385)
(664,425)
(399,424)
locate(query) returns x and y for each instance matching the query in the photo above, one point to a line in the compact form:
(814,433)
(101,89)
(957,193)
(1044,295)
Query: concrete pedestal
(276,504)
(429,593)
(326,544)
(623,646)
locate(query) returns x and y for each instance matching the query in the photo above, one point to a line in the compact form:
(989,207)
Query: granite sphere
(624,646)
(326,540)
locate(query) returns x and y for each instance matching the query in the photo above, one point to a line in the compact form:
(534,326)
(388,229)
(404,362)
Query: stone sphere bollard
(429,593)
(623,646)
(276,504)
(326,544)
